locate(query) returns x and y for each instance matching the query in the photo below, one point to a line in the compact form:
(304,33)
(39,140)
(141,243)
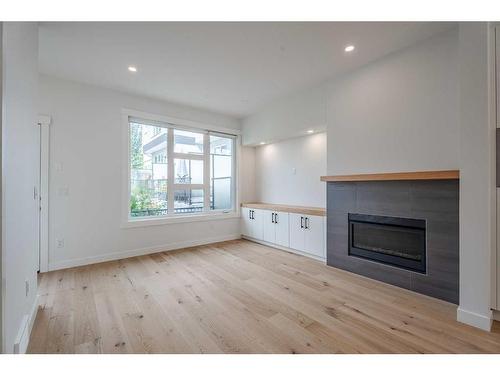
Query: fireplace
(402,232)
(395,241)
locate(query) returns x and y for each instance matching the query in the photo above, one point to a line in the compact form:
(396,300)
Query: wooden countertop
(318,211)
(422,175)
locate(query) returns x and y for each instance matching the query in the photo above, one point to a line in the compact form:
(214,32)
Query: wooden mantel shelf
(318,211)
(422,175)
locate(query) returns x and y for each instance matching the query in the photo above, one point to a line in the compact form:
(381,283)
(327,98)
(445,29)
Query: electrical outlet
(60,243)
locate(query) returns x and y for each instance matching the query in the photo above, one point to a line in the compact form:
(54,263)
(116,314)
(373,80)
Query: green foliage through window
(140,199)
(136,154)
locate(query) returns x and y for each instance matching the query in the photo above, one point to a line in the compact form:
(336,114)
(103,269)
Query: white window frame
(180,124)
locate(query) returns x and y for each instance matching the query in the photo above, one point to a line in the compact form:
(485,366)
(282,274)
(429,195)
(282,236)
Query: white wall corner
(476,176)
(474,319)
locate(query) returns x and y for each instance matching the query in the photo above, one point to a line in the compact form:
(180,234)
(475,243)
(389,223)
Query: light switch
(63,191)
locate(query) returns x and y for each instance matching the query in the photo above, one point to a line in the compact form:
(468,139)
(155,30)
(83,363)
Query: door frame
(494,108)
(44,121)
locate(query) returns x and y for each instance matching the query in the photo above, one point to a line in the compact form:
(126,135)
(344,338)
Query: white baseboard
(480,321)
(24,333)
(138,252)
(290,250)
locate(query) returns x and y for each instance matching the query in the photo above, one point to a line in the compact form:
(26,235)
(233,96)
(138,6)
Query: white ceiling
(231,68)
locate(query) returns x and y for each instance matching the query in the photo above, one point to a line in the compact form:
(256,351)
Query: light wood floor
(240,297)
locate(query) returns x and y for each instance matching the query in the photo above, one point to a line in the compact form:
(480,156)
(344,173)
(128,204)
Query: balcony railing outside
(157,190)
(163,211)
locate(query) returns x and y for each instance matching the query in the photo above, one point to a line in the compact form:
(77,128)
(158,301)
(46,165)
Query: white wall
(19,176)
(476,176)
(397,114)
(247,175)
(86,162)
(287,117)
(288,172)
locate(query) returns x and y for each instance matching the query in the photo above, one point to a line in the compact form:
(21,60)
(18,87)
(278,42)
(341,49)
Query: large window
(179,171)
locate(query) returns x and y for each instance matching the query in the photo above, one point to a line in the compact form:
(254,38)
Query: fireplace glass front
(399,242)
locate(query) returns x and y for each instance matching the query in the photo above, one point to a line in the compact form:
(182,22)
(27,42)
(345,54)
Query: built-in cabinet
(307,234)
(303,233)
(276,228)
(253,223)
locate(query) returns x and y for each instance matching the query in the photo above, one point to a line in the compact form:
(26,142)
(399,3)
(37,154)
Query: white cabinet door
(246,222)
(296,231)
(258,224)
(282,229)
(314,236)
(296,223)
(269,226)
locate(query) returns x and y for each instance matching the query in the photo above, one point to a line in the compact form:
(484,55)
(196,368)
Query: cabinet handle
(307,223)
(276,218)
(249,214)
(272,218)
(302,221)
(253,215)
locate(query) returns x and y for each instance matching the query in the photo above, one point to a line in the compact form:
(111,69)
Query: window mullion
(188,186)
(206,172)
(179,155)
(233,174)
(170,171)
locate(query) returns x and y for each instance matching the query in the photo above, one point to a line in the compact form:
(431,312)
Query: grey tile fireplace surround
(435,201)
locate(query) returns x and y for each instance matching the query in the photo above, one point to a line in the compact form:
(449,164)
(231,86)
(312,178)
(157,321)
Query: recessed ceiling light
(349,48)
(262,143)
(310,131)
(132,69)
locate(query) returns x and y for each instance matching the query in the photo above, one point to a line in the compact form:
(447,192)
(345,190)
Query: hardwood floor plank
(60,330)
(40,331)
(113,336)
(151,312)
(308,342)
(240,297)
(229,335)
(199,340)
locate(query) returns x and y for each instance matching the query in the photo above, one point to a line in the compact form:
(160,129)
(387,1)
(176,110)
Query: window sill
(180,219)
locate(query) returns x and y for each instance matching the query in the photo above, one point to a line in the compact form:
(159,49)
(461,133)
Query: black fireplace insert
(399,242)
